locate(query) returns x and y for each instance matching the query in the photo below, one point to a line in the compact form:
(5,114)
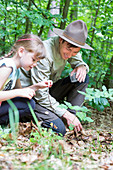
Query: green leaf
(68,104)
(81,115)
(63,106)
(104,88)
(71,127)
(88,119)
(104,101)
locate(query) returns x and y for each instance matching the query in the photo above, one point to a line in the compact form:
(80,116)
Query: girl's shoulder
(8,62)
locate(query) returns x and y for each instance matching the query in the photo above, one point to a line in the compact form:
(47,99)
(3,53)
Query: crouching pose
(64,47)
(26,51)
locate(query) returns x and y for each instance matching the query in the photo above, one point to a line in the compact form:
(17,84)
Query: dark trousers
(22,106)
(61,89)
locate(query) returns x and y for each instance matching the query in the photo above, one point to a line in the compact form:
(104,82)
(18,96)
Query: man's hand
(73,120)
(80,73)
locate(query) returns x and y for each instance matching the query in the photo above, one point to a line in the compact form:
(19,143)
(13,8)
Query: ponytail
(7,55)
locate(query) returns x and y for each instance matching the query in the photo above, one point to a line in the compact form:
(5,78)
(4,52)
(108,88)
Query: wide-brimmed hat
(75,33)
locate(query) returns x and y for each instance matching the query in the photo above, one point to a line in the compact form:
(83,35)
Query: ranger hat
(75,33)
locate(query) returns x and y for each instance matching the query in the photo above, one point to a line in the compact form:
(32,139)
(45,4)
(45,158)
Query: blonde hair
(31,43)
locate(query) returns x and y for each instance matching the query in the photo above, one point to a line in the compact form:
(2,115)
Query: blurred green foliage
(20,17)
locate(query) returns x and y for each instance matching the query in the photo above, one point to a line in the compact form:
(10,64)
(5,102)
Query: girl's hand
(41,85)
(26,92)
(45,83)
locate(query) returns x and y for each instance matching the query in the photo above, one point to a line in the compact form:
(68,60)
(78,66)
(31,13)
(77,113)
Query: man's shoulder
(51,46)
(51,40)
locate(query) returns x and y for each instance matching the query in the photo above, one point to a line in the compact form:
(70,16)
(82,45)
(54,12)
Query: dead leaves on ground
(89,149)
(93,148)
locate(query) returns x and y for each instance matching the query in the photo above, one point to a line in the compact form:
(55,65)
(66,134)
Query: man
(60,49)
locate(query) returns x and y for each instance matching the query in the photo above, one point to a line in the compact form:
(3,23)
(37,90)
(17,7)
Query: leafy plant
(4,132)
(49,138)
(98,99)
(81,112)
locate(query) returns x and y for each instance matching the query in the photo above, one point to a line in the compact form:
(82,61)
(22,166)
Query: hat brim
(59,32)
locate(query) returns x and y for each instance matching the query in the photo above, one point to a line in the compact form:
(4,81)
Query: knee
(86,80)
(22,103)
(56,125)
(24,107)
(32,103)
(85,83)
(61,129)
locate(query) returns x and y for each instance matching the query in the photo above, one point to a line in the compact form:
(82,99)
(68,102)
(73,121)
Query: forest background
(30,150)
(18,17)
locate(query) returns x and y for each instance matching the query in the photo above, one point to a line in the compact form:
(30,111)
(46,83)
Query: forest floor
(91,149)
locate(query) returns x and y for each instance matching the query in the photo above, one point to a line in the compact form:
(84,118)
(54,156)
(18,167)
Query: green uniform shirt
(49,68)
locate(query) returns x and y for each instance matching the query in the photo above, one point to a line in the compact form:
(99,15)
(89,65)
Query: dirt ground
(90,150)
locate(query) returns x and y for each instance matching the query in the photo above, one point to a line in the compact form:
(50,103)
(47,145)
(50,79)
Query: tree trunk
(93,32)
(42,27)
(27,29)
(4,29)
(16,22)
(54,10)
(74,13)
(65,12)
(108,79)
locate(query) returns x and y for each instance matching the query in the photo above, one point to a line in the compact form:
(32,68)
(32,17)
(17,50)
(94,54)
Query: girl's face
(28,60)
(67,52)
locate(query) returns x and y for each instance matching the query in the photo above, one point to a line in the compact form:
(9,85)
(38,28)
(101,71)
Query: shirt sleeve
(39,73)
(76,61)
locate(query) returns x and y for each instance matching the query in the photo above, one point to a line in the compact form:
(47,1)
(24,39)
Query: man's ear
(21,50)
(60,40)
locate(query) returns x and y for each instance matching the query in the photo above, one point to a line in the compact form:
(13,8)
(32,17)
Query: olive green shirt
(49,68)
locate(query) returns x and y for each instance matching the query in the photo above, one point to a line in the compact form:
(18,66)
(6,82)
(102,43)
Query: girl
(26,51)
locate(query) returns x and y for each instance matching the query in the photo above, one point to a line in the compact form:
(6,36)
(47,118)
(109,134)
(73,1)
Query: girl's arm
(28,92)
(9,94)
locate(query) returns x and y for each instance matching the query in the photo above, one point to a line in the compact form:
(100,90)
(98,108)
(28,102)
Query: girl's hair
(31,43)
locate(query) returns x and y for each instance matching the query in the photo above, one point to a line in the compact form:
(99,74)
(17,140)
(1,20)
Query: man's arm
(79,66)
(42,72)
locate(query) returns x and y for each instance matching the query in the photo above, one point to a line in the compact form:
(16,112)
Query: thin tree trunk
(74,13)
(48,7)
(27,29)
(16,20)
(108,79)
(65,12)
(4,28)
(54,10)
(93,32)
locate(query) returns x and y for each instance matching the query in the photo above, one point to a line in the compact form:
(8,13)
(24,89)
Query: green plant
(98,99)
(34,116)
(81,112)
(13,119)
(48,135)
(4,132)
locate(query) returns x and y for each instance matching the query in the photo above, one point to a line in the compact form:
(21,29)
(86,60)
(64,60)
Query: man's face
(66,51)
